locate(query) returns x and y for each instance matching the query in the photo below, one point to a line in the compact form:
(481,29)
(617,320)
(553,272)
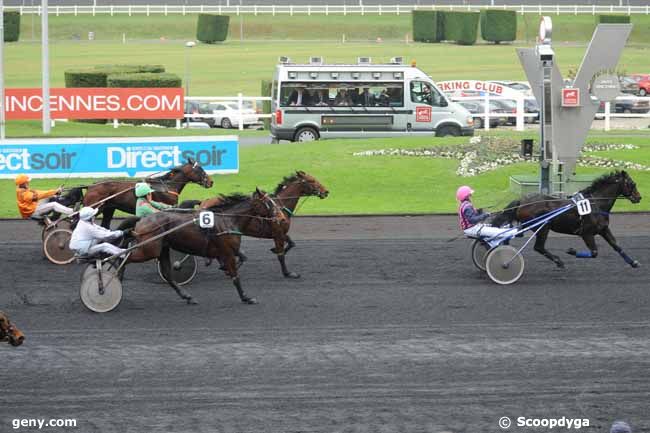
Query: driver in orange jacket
(31,202)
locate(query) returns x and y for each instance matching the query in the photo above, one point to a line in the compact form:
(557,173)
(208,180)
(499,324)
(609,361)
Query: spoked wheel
(104,298)
(47,229)
(184,267)
(56,247)
(504,265)
(480,251)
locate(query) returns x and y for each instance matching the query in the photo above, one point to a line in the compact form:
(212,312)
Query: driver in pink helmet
(471,219)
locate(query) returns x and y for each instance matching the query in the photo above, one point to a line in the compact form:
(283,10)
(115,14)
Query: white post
(116,123)
(2,70)
(607,115)
(47,124)
(520,114)
(178,123)
(240,104)
(486,119)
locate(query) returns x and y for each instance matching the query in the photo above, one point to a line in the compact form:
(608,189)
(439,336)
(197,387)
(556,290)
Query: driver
(32,202)
(471,219)
(145,205)
(89,239)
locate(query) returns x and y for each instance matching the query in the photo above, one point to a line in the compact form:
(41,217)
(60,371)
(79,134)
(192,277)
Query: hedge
(612,19)
(146,80)
(266,105)
(428,26)
(498,26)
(461,27)
(12,26)
(97,76)
(212,28)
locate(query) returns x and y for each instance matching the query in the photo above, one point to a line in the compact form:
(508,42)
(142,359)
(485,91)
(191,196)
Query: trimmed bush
(612,19)
(130,69)
(146,80)
(428,26)
(498,26)
(212,28)
(266,105)
(461,27)
(12,26)
(97,76)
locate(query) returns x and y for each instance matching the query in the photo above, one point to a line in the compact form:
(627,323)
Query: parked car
(531,107)
(643,80)
(628,105)
(227,114)
(477,109)
(629,85)
(505,106)
(521,86)
(198,108)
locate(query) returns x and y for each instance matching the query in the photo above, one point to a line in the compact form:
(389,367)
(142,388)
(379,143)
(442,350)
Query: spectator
(342,98)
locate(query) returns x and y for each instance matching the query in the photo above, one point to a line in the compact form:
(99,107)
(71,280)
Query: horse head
(9,332)
(304,184)
(195,173)
(627,187)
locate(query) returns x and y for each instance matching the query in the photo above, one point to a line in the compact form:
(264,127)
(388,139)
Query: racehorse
(287,194)
(602,194)
(9,332)
(221,242)
(167,187)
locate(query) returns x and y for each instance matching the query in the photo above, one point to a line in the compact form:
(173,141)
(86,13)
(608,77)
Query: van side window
(424,93)
(342,94)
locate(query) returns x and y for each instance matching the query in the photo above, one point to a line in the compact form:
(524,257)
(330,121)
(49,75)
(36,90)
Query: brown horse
(221,242)
(287,194)
(602,194)
(9,332)
(168,187)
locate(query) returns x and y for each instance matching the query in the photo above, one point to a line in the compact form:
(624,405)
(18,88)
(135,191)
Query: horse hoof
(635,264)
(572,251)
(249,301)
(292,275)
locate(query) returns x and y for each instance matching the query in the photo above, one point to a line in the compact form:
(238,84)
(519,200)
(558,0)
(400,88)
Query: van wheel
(444,131)
(226,123)
(478,123)
(642,92)
(306,134)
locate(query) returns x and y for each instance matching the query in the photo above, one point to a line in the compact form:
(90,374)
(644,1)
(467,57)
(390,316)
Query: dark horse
(287,194)
(167,187)
(9,332)
(602,194)
(221,242)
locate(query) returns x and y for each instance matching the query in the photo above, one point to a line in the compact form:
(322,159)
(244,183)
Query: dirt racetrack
(390,329)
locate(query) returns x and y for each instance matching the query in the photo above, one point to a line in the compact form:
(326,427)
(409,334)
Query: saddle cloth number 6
(206,220)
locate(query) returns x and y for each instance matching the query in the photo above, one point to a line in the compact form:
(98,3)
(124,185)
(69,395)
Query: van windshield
(364,94)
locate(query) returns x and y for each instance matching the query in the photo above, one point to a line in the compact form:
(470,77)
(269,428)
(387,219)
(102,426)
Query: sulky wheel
(104,298)
(480,250)
(504,265)
(56,246)
(47,229)
(184,267)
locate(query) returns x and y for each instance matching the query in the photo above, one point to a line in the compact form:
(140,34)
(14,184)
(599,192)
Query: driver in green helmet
(145,205)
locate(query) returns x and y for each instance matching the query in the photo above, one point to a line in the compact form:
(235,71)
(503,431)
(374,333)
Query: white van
(316,100)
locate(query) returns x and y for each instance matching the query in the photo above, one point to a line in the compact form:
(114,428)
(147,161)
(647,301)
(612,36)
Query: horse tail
(508,215)
(189,204)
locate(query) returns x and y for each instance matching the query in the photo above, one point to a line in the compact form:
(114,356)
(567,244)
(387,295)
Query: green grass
(225,70)
(566,27)
(367,185)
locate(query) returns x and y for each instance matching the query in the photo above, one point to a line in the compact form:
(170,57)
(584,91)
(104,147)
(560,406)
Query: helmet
(87,213)
(620,427)
(22,178)
(463,193)
(142,189)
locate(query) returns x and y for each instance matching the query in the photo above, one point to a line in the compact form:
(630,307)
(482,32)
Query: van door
(428,106)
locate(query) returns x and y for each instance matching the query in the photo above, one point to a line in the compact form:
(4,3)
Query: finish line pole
(47,122)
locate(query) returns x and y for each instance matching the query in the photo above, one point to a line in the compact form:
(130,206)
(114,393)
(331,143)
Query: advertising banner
(96,103)
(116,157)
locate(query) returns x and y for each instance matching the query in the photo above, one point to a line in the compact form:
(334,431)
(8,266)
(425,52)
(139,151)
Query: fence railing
(322,9)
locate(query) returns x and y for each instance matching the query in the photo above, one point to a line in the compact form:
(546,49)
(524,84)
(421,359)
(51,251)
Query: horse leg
(590,241)
(281,253)
(540,241)
(107,217)
(166,269)
(290,244)
(230,265)
(609,237)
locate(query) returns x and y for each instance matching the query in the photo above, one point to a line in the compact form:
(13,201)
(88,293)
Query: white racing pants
(45,207)
(484,231)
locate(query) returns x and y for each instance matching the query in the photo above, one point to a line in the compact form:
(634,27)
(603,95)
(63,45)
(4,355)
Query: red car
(644,83)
